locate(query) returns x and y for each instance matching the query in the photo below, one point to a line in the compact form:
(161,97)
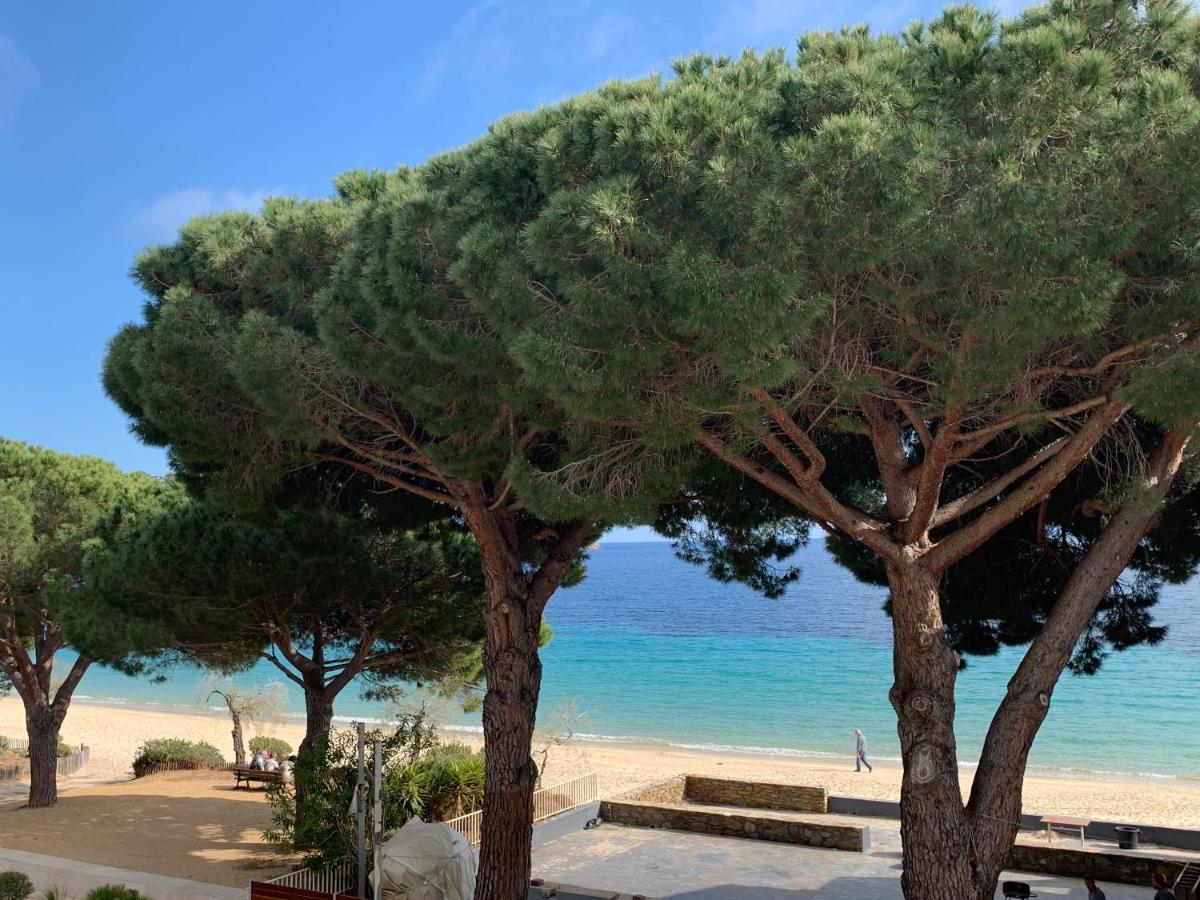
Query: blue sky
(118,122)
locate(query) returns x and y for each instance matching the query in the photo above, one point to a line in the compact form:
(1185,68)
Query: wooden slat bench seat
(249,776)
(1052,822)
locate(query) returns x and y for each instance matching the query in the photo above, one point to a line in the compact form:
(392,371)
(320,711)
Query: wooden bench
(248,775)
(1052,822)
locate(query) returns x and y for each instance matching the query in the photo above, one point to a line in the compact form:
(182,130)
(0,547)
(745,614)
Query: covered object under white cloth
(426,861)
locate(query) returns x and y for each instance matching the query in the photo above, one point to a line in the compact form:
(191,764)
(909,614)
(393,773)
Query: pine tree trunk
(318,716)
(933,823)
(318,720)
(514,677)
(42,727)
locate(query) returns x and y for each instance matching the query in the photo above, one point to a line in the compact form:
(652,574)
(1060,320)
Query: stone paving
(677,866)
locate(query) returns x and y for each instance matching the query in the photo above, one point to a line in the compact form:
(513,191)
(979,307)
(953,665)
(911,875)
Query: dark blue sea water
(650,648)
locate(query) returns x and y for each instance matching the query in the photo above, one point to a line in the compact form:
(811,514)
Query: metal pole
(377,830)
(360,797)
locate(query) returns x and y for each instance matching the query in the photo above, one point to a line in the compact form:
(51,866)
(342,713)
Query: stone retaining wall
(755,794)
(666,792)
(1075,862)
(542,890)
(750,825)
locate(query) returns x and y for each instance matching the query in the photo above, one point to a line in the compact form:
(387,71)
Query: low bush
(115,892)
(3,744)
(64,749)
(281,748)
(445,782)
(421,778)
(177,753)
(15,886)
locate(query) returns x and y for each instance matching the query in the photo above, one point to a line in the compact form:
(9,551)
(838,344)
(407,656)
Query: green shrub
(15,886)
(281,748)
(115,892)
(322,825)
(64,749)
(181,754)
(445,782)
(3,744)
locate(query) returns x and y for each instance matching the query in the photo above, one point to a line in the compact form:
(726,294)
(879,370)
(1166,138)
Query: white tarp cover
(426,861)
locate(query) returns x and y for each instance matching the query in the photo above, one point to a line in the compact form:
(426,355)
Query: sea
(649,649)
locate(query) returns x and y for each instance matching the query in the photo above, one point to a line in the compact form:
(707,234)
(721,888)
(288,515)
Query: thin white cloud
(17,75)
(604,35)
(454,47)
(161,219)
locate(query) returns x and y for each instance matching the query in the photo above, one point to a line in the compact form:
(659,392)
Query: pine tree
(51,509)
(339,333)
(967,253)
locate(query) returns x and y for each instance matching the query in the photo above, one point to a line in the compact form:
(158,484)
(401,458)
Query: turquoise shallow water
(649,648)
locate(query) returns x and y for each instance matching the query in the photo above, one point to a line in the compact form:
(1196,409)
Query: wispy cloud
(17,75)
(161,219)
(440,58)
(604,35)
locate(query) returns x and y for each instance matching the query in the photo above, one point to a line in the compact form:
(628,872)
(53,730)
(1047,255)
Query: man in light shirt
(860,752)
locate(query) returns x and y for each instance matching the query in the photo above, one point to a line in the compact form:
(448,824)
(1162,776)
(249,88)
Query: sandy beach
(196,825)
(114,732)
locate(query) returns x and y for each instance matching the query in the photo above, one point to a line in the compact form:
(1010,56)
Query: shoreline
(657,745)
(113,732)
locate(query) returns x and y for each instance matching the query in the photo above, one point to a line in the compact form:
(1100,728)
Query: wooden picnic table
(1052,822)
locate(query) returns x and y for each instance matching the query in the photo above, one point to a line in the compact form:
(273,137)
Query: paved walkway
(677,866)
(77,878)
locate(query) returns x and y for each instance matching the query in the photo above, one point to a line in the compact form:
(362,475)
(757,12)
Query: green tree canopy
(52,507)
(340,333)
(965,253)
(326,595)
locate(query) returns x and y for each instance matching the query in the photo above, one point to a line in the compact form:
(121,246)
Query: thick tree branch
(553,569)
(62,697)
(890,457)
(961,542)
(1012,730)
(929,481)
(992,489)
(813,498)
(793,432)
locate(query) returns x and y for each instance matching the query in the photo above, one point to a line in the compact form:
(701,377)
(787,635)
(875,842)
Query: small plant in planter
(115,892)
(15,886)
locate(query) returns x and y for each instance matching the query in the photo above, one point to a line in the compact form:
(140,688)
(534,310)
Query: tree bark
(42,726)
(514,677)
(933,824)
(318,714)
(995,802)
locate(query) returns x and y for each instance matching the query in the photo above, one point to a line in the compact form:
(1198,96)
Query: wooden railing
(547,802)
(330,882)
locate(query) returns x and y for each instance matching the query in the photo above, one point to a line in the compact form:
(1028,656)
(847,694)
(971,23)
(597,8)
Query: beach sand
(195,825)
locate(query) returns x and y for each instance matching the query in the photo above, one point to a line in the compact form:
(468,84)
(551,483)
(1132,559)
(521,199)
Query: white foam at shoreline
(1035,770)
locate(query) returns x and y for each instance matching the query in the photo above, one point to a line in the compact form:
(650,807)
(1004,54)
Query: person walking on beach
(860,752)
(1094,893)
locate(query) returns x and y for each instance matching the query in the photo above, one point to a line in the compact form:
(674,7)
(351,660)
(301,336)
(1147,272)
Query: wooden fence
(67,765)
